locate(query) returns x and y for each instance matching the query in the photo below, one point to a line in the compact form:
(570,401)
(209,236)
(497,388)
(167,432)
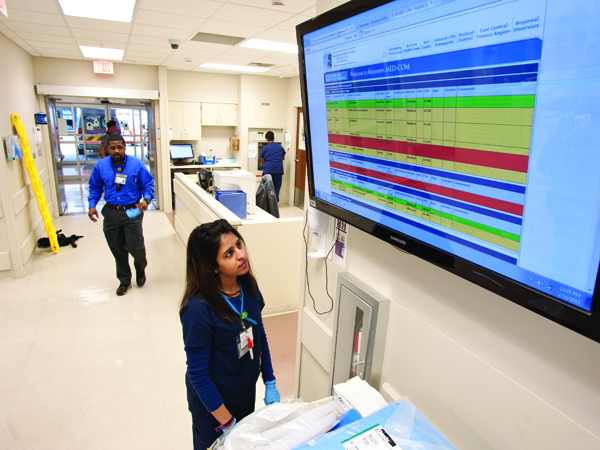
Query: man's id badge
(120,178)
(245,341)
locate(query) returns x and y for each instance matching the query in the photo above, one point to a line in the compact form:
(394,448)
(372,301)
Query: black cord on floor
(306,268)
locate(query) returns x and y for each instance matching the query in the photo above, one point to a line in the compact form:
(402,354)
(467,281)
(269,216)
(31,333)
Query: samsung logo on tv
(400,241)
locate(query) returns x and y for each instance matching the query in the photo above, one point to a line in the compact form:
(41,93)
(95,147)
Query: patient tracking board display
(468,125)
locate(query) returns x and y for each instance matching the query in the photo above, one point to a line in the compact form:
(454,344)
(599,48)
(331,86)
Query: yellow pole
(35,182)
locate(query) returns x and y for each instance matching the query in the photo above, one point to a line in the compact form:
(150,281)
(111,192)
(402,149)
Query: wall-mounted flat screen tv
(468,133)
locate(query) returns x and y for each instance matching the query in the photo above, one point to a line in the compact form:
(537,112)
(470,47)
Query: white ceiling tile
(53,46)
(10,34)
(144,55)
(196,8)
(151,41)
(161,19)
(99,25)
(175,67)
(290,24)
(59,54)
(289,57)
(199,54)
(3,26)
(204,46)
(37,28)
(164,32)
(254,52)
(234,61)
(249,15)
(164,49)
(230,28)
(19,15)
(46,37)
(310,12)
(99,35)
(289,37)
(100,43)
(149,61)
(291,6)
(276,61)
(24,45)
(46,6)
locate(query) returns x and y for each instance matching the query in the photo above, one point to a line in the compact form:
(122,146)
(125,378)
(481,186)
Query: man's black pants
(125,236)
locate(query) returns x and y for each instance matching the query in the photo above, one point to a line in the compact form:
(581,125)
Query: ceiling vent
(217,39)
(257,64)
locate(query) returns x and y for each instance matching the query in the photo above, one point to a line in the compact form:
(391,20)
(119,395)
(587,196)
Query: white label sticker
(375,438)
(278,411)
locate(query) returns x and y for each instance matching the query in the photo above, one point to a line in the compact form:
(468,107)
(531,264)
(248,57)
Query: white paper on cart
(278,411)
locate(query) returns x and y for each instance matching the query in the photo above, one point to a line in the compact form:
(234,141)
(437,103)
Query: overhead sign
(101,66)
(3,7)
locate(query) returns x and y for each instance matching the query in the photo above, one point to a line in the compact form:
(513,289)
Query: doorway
(78,128)
(300,179)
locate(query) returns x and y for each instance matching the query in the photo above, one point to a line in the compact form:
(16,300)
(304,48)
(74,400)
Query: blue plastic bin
(235,201)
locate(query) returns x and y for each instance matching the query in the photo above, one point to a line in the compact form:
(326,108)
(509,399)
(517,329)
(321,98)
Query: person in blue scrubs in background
(272,156)
(225,341)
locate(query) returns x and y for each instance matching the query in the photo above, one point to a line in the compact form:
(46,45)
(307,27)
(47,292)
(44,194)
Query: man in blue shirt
(273,155)
(124,181)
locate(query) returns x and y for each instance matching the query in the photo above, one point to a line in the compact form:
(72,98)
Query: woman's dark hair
(200,277)
(270,136)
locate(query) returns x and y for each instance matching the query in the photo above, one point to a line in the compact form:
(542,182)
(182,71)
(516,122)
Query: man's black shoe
(122,290)
(141,280)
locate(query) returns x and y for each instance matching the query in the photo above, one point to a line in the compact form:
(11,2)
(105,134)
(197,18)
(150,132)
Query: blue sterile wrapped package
(235,201)
(401,423)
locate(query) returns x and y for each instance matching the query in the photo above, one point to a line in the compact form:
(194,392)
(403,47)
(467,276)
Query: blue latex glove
(225,430)
(271,393)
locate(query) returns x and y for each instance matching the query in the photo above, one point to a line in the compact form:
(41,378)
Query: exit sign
(3,7)
(102,66)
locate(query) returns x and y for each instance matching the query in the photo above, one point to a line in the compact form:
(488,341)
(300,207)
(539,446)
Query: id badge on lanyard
(245,342)
(120,178)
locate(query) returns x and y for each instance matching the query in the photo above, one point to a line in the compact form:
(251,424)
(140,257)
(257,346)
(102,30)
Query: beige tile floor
(83,369)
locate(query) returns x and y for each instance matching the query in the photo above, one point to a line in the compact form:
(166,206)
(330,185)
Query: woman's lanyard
(243,314)
(120,170)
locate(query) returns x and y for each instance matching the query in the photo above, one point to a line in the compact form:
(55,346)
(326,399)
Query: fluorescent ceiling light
(270,45)
(230,67)
(102,53)
(115,10)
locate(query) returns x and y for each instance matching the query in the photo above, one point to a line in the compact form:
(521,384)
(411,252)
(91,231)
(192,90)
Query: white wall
(202,87)
(254,91)
(71,72)
(294,101)
(20,222)
(487,372)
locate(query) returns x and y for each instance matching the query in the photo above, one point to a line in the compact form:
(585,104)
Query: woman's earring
(216,271)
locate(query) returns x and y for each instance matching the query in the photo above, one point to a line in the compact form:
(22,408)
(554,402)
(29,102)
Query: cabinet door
(191,121)
(176,120)
(228,114)
(210,114)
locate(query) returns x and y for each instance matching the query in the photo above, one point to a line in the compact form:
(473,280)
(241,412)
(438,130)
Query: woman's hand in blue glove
(271,393)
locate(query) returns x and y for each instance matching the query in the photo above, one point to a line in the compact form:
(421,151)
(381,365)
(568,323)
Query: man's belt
(120,207)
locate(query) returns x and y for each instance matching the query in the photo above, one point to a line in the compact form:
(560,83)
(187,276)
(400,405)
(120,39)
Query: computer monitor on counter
(233,180)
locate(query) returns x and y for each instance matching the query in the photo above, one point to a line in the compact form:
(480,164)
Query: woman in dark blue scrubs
(225,341)
(272,156)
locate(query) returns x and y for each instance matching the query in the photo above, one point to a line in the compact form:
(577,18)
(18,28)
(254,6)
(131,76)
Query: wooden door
(300,162)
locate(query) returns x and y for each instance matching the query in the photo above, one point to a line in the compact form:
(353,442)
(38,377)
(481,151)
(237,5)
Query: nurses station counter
(274,245)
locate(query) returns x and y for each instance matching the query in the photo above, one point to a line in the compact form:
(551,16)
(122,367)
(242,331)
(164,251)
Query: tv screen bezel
(580,321)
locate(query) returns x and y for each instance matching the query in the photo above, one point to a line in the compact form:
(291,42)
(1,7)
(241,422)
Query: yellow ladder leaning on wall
(35,182)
